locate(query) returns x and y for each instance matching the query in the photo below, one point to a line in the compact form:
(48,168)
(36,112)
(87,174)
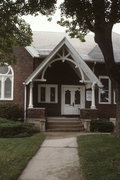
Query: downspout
(25,101)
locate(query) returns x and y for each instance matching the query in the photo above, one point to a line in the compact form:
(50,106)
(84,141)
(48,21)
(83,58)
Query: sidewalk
(57,159)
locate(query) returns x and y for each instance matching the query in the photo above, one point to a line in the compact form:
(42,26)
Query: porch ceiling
(72,57)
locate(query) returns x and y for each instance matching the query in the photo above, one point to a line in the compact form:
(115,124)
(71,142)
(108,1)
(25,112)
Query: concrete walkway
(57,159)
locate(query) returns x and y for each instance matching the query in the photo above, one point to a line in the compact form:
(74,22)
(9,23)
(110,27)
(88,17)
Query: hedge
(15,129)
(11,111)
(101,125)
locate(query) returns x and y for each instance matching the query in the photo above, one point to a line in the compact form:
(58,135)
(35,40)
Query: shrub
(102,125)
(11,111)
(15,129)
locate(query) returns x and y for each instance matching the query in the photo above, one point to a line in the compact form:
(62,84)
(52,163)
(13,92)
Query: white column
(93,96)
(25,96)
(31,96)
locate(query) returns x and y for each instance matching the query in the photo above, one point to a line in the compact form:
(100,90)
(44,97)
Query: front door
(73,98)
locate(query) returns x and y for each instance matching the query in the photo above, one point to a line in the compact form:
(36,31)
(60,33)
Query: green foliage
(14,31)
(11,111)
(102,125)
(80,15)
(17,34)
(15,153)
(15,129)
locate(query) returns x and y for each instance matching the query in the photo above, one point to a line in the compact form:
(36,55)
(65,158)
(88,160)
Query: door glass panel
(52,94)
(8,86)
(43,92)
(77,97)
(67,97)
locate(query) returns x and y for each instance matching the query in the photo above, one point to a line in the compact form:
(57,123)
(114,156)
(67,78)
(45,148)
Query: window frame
(114,97)
(47,93)
(109,90)
(3,78)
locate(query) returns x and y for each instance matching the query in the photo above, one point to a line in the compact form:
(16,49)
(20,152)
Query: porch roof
(75,55)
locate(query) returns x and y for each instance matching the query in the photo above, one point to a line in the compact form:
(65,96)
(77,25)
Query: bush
(15,129)
(11,111)
(102,125)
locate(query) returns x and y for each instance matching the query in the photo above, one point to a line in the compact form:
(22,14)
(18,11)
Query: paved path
(57,159)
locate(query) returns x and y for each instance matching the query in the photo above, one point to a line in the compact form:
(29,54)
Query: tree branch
(99,12)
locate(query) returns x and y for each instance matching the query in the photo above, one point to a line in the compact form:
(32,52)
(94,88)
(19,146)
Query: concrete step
(61,118)
(69,120)
(65,129)
(63,124)
(65,121)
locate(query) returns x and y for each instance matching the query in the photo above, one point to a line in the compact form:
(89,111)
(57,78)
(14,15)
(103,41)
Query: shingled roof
(45,42)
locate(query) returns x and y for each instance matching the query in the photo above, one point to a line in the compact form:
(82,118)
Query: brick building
(60,76)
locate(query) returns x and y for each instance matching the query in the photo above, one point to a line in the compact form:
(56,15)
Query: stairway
(63,124)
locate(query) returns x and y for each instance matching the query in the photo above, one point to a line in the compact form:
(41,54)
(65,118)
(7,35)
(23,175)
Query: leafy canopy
(78,16)
(94,15)
(14,31)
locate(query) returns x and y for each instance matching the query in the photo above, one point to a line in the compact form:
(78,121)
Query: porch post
(31,96)
(93,96)
(25,96)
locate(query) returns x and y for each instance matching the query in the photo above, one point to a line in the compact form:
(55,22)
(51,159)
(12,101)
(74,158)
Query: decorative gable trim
(77,58)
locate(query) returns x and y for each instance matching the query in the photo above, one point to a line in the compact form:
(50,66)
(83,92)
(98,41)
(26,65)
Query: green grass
(15,154)
(99,157)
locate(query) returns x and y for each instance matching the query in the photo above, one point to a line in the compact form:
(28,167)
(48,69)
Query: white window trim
(3,77)
(47,93)
(114,94)
(109,90)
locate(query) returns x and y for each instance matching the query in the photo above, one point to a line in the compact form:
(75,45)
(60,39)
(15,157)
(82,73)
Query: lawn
(15,154)
(99,157)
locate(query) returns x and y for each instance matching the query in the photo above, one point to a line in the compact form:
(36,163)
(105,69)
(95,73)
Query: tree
(14,31)
(98,16)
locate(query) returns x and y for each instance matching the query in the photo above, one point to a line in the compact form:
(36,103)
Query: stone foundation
(86,115)
(39,124)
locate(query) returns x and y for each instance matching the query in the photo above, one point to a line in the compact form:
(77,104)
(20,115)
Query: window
(105,92)
(47,93)
(6,82)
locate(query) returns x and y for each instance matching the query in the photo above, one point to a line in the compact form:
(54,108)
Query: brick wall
(88,113)
(36,113)
(22,68)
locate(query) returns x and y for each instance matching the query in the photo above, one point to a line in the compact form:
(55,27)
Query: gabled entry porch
(58,85)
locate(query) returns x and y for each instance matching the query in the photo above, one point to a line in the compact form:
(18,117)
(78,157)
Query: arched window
(6,82)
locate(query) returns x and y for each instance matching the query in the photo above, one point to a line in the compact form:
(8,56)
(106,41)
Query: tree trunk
(104,40)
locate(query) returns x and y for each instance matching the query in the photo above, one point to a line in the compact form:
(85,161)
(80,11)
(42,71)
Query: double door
(73,98)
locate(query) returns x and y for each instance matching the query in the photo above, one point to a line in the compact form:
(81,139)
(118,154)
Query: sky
(40,23)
